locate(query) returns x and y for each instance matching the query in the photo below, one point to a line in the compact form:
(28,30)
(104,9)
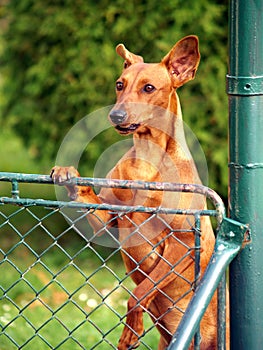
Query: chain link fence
(64,287)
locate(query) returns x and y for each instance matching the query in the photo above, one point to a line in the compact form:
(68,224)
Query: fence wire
(64,287)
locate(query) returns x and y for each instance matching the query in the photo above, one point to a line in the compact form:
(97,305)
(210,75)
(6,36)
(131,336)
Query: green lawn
(59,292)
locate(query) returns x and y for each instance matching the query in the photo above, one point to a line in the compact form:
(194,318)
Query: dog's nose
(118,116)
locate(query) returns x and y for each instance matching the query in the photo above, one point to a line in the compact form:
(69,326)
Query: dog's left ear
(129,57)
(182,61)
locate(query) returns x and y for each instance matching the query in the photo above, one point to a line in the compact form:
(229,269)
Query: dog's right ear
(129,57)
(182,61)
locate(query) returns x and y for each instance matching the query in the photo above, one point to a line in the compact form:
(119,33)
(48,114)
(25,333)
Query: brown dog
(159,253)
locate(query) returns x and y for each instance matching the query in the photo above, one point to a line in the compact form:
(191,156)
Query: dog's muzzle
(118,116)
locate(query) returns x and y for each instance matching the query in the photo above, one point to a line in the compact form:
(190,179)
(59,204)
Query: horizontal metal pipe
(114,183)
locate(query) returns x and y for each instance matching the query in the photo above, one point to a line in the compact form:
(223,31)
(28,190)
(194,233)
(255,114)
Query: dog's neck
(168,134)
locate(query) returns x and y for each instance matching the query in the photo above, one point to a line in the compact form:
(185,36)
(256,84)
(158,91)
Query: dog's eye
(148,88)
(119,86)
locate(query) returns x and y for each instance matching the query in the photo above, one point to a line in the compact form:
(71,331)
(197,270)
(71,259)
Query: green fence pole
(245,89)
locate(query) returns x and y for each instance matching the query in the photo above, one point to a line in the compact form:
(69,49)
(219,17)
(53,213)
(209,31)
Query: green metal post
(245,89)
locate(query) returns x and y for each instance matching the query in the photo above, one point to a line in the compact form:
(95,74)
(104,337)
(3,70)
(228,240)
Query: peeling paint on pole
(245,89)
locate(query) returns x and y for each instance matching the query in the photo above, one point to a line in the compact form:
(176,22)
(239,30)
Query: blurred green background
(58,64)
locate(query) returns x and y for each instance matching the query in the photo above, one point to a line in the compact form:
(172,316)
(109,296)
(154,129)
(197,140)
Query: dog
(156,255)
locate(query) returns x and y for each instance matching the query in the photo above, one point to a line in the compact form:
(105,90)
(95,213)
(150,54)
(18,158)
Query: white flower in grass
(92,303)
(83,297)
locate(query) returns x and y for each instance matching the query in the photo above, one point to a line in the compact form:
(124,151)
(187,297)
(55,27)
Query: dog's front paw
(61,174)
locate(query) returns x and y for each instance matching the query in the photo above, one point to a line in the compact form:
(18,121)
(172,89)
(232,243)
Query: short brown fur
(148,107)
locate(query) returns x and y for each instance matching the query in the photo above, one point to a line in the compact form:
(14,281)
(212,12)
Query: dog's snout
(118,116)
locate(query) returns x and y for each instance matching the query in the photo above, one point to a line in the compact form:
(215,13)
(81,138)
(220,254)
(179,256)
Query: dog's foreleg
(84,194)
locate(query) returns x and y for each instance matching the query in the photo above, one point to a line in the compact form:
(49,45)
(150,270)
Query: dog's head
(144,89)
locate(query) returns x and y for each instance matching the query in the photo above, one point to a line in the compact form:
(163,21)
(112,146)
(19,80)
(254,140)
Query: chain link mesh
(62,289)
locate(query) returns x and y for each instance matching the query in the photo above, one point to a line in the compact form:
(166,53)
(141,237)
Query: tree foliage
(59,64)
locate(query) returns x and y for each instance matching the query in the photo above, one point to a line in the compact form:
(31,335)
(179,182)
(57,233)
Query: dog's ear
(182,61)
(129,57)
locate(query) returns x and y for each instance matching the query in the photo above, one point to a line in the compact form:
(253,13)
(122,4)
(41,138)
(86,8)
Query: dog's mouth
(127,129)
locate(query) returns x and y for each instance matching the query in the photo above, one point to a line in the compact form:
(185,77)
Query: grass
(57,291)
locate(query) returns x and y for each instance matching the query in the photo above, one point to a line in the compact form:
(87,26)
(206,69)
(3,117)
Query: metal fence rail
(61,288)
